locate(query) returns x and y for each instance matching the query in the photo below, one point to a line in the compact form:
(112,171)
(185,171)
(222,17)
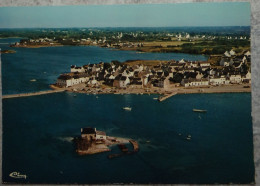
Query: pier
(125,150)
(166,96)
(135,145)
(31,94)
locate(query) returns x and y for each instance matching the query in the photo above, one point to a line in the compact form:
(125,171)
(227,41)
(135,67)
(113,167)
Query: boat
(127,108)
(32,80)
(198,110)
(155,98)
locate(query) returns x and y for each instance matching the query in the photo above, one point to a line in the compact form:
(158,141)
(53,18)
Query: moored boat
(198,110)
(127,108)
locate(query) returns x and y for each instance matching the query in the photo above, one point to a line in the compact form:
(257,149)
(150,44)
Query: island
(231,74)
(93,141)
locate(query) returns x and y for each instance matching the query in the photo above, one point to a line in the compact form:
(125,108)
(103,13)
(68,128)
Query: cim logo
(17,175)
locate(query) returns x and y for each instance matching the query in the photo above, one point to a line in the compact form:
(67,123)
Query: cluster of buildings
(164,75)
(24,42)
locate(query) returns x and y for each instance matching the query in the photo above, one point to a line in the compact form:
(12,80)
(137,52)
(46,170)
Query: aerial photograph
(127,94)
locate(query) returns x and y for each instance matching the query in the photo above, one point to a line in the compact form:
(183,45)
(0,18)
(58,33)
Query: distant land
(192,40)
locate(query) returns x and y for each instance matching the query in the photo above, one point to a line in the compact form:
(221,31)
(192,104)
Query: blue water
(220,150)
(37,130)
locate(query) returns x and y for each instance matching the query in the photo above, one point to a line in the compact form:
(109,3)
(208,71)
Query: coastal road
(31,94)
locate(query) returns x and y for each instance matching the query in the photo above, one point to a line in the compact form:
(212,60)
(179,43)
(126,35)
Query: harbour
(153,125)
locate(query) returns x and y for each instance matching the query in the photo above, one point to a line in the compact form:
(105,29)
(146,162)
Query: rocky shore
(85,147)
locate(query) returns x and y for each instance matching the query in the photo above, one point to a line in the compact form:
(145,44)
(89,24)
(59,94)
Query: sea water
(38,131)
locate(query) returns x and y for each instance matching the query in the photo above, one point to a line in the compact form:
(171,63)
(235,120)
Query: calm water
(37,131)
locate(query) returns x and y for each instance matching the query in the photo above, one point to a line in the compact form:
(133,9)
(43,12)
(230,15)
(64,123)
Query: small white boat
(188,137)
(198,110)
(127,108)
(32,80)
(155,98)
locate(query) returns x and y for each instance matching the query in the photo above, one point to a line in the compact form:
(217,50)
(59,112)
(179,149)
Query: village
(158,76)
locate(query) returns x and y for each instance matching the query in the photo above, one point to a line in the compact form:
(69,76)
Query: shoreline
(241,88)
(99,147)
(155,91)
(112,48)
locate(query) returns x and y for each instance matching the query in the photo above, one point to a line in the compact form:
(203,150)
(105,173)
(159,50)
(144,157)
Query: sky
(145,15)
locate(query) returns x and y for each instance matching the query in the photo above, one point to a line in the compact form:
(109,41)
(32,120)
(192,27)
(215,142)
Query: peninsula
(231,74)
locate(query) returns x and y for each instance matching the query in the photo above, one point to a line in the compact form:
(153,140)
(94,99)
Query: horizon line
(121,27)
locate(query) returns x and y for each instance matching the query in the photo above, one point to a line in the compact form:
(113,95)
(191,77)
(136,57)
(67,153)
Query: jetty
(125,150)
(166,96)
(31,94)
(135,145)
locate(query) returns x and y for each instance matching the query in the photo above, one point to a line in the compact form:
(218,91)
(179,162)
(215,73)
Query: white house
(247,77)
(232,52)
(218,80)
(124,81)
(111,76)
(227,54)
(194,82)
(74,68)
(204,64)
(235,78)
(66,80)
(247,53)
(182,61)
(100,135)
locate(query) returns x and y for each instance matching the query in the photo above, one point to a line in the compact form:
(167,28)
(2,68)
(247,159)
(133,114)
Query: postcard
(127,94)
